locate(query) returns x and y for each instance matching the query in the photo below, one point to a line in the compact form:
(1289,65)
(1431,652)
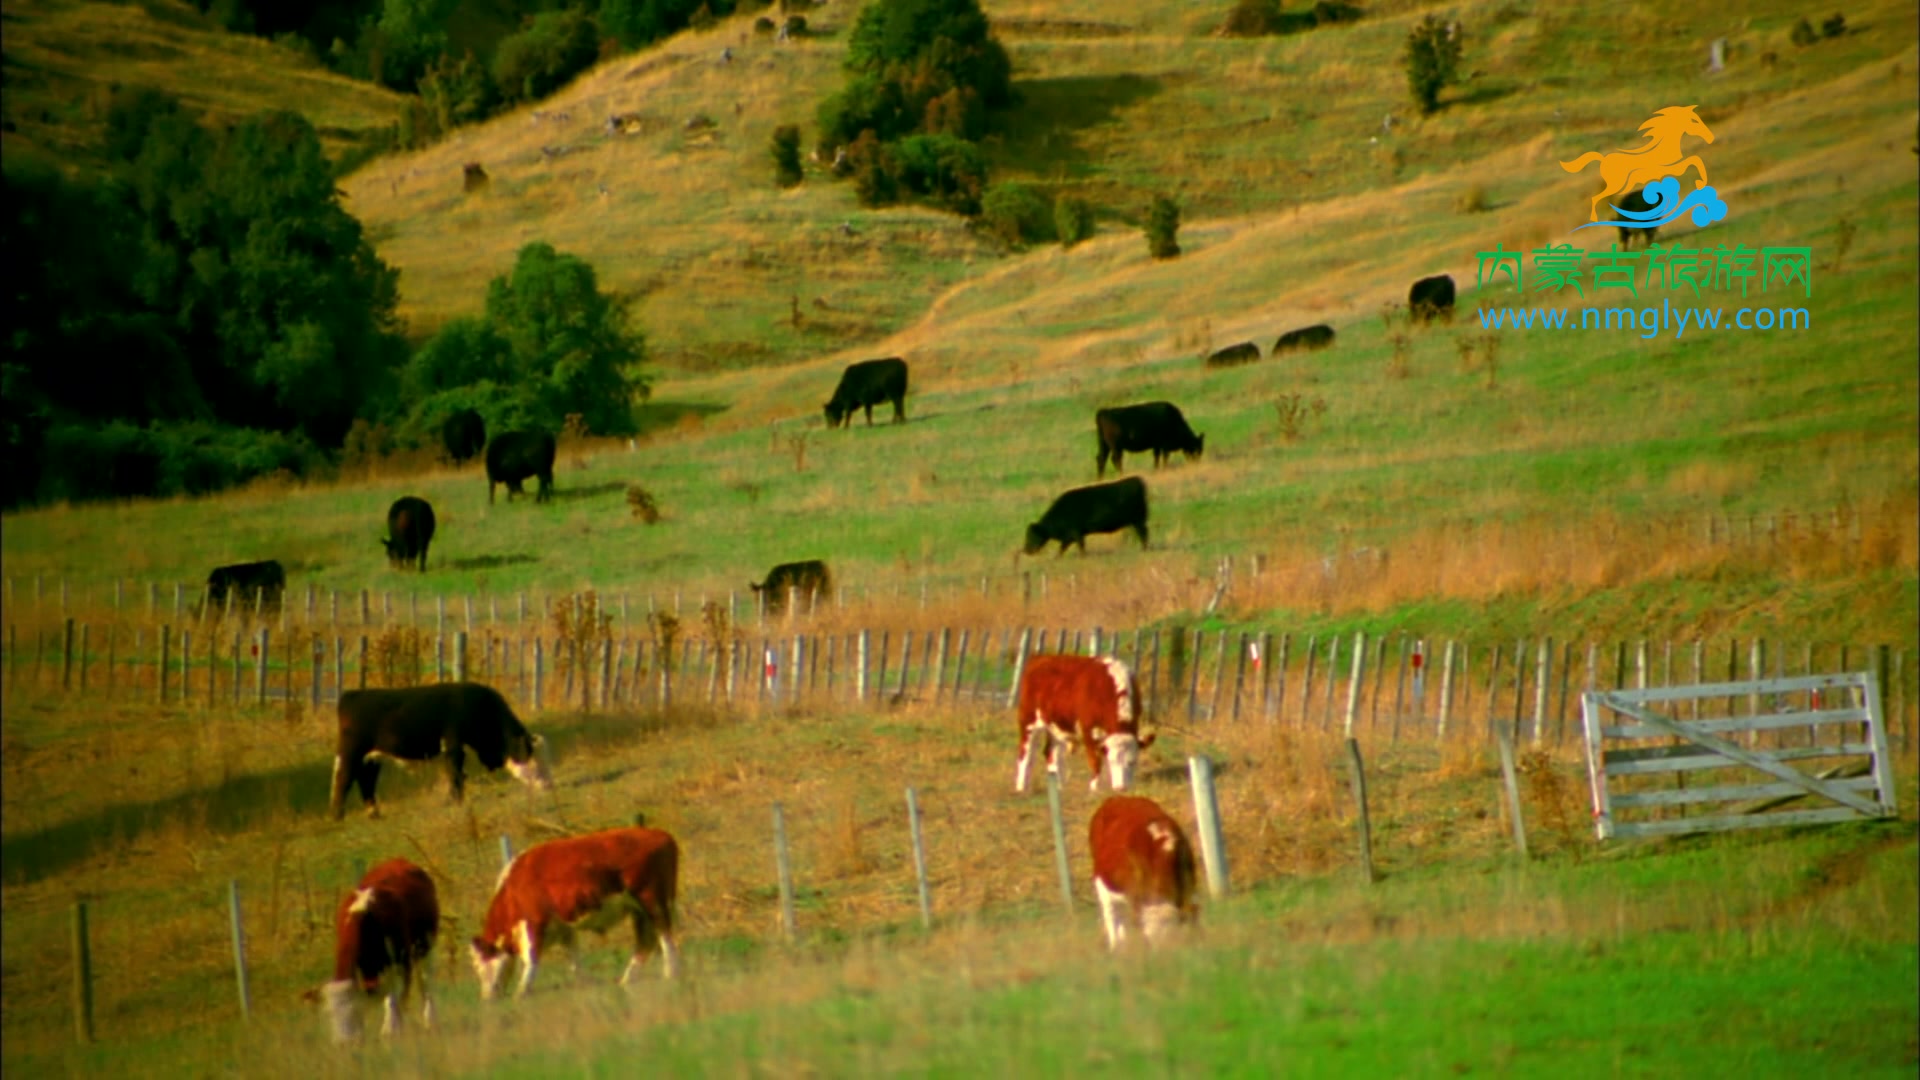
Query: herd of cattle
(1143,865)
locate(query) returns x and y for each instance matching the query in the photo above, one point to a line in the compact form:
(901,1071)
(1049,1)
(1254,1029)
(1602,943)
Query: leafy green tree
(554,47)
(406,40)
(1017,214)
(786,156)
(1432,61)
(568,349)
(457,92)
(1163,228)
(1072,220)
(951,172)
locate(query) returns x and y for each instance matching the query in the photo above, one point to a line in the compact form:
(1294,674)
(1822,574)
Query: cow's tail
(1582,161)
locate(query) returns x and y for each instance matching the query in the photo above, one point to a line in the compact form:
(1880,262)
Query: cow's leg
(1027,735)
(426,998)
(1141,530)
(529,961)
(456,755)
(342,777)
(869,415)
(900,409)
(1096,750)
(367,774)
(1110,902)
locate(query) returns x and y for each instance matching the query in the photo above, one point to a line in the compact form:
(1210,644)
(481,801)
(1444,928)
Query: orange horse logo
(1626,171)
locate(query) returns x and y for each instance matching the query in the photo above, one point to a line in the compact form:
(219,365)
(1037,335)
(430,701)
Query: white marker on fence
(1206,812)
(919,861)
(1353,682)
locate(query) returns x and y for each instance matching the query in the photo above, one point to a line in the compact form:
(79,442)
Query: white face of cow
(533,771)
(1123,753)
(489,965)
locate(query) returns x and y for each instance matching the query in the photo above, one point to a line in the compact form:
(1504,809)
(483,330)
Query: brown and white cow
(1143,863)
(1080,699)
(388,921)
(552,890)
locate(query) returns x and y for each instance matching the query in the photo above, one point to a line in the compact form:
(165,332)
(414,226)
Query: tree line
(202,310)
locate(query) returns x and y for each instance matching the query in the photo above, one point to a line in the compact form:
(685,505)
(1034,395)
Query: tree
(1072,220)
(786,156)
(1432,61)
(567,346)
(554,47)
(1163,228)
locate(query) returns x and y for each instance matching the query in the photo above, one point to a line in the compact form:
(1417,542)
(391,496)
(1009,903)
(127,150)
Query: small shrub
(947,171)
(871,164)
(1471,201)
(1432,61)
(1017,214)
(1490,357)
(1400,366)
(640,502)
(1072,220)
(1163,228)
(786,156)
(1294,411)
(1803,34)
(1252,18)
(1834,27)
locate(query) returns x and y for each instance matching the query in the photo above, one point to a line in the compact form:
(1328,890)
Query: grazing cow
(552,890)
(1430,298)
(1637,202)
(1233,355)
(389,920)
(1156,426)
(420,723)
(248,583)
(1088,700)
(1096,508)
(409,531)
(807,579)
(866,384)
(1143,863)
(464,434)
(1305,339)
(513,456)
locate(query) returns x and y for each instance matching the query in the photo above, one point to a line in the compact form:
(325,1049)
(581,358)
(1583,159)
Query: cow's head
(834,413)
(1199,448)
(1123,753)
(1036,539)
(489,964)
(393,550)
(527,763)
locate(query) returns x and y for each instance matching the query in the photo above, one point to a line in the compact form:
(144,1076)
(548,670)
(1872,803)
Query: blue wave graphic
(1704,204)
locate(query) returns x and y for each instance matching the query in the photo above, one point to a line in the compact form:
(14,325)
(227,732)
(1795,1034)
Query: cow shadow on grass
(490,562)
(1041,132)
(568,494)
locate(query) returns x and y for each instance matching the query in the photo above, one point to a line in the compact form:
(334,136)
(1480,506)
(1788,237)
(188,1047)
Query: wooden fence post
(1206,812)
(785,871)
(1306,684)
(1360,805)
(82,975)
(86,650)
(1353,681)
(919,861)
(239,945)
(1333,674)
(1019,666)
(1407,645)
(940,664)
(866,640)
(1446,691)
(260,666)
(66,654)
(1542,688)
(318,649)
(539,672)
(1513,791)
(1059,841)
(160,666)
(1278,663)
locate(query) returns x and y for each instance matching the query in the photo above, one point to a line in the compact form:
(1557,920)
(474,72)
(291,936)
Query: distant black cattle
(248,583)
(809,579)
(1637,202)
(1096,508)
(1244,353)
(513,456)
(1305,339)
(1430,298)
(464,435)
(1156,426)
(424,722)
(866,384)
(409,531)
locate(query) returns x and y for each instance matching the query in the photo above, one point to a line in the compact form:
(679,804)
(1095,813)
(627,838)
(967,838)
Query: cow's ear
(539,741)
(1147,740)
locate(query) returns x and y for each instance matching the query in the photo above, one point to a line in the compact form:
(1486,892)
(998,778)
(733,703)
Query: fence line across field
(1187,675)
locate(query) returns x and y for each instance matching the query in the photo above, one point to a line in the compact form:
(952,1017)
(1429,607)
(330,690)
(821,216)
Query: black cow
(1305,339)
(810,578)
(423,722)
(1244,353)
(1637,202)
(866,384)
(1096,508)
(409,531)
(463,434)
(1430,298)
(1156,426)
(249,583)
(513,456)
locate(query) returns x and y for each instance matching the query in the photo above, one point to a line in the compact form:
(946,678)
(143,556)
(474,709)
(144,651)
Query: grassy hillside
(65,61)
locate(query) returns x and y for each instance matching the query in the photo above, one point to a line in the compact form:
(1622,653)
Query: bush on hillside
(555,46)
(786,156)
(1259,18)
(1072,220)
(871,164)
(1432,61)
(1163,228)
(1017,214)
(1802,34)
(949,172)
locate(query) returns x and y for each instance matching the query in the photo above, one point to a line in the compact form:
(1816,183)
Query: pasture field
(1777,953)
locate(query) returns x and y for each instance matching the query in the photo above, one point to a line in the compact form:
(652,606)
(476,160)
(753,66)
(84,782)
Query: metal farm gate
(1636,743)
